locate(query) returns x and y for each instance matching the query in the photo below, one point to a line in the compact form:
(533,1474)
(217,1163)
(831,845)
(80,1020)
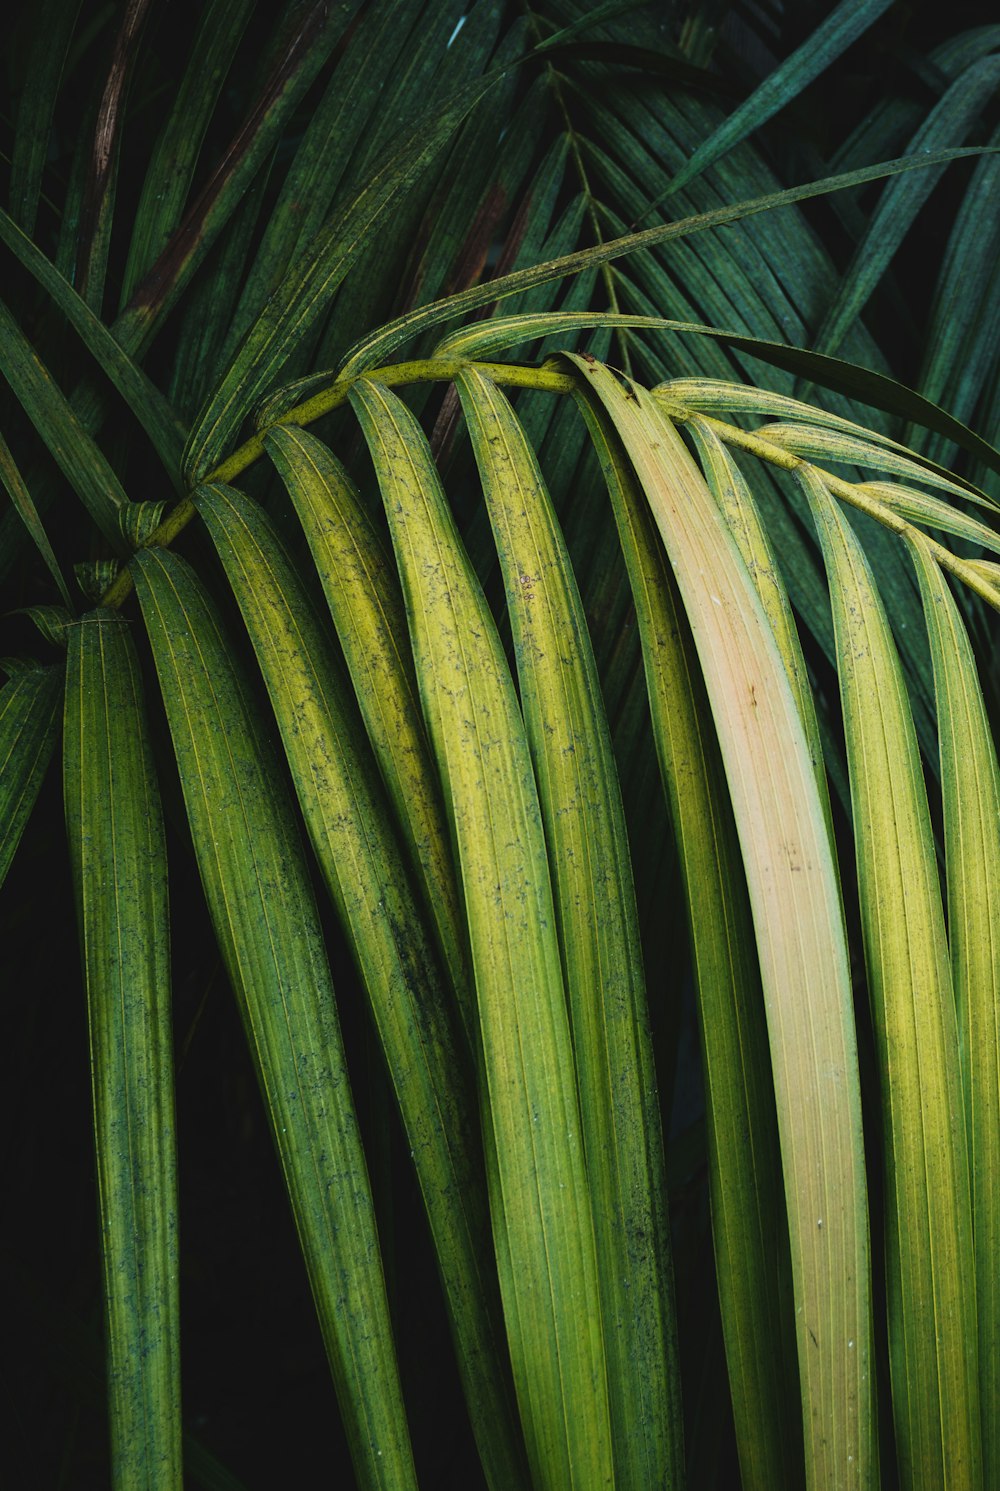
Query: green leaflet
(716,397)
(800,939)
(483,339)
(584,825)
(541,1199)
(932,512)
(324,151)
(971,793)
(118,852)
(931,1275)
(29,711)
(830,445)
(85,234)
(300,44)
(260,899)
(751,1245)
(365,873)
(960,344)
(362,592)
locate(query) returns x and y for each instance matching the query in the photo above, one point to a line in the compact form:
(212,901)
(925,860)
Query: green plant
(503,649)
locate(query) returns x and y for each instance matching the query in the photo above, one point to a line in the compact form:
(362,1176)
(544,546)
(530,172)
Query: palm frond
(627,660)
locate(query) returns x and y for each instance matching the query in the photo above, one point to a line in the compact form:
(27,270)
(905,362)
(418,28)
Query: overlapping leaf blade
(584,824)
(260,899)
(948,122)
(800,940)
(141,395)
(542,1209)
(364,869)
(745,1166)
(73,450)
(930,1270)
(366,605)
(971,799)
(114,824)
(845,23)
(173,160)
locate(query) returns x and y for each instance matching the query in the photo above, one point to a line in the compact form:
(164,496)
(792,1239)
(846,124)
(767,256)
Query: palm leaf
(323,186)
(258,892)
(366,876)
(971,793)
(800,941)
(584,824)
(118,853)
(931,1274)
(552,1301)
(747,1207)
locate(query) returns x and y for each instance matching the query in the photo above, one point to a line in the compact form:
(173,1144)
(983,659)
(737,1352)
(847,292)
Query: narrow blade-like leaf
(35,107)
(543,1209)
(72,449)
(379,345)
(19,495)
(140,394)
(946,124)
(118,852)
(362,592)
(257,886)
(800,939)
(308,288)
(364,869)
(970,785)
(748,1227)
(221,24)
(584,825)
(931,1275)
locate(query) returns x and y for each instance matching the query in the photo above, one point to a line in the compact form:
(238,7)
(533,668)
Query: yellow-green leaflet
(551,1294)
(932,512)
(260,899)
(800,939)
(115,829)
(748,1218)
(831,445)
(584,825)
(929,1259)
(362,591)
(364,869)
(971,793)
(29,722)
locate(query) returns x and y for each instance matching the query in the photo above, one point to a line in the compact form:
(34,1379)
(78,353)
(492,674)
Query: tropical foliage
(500,578)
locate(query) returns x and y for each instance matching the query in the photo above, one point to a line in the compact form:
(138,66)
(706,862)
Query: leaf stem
(511,375)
